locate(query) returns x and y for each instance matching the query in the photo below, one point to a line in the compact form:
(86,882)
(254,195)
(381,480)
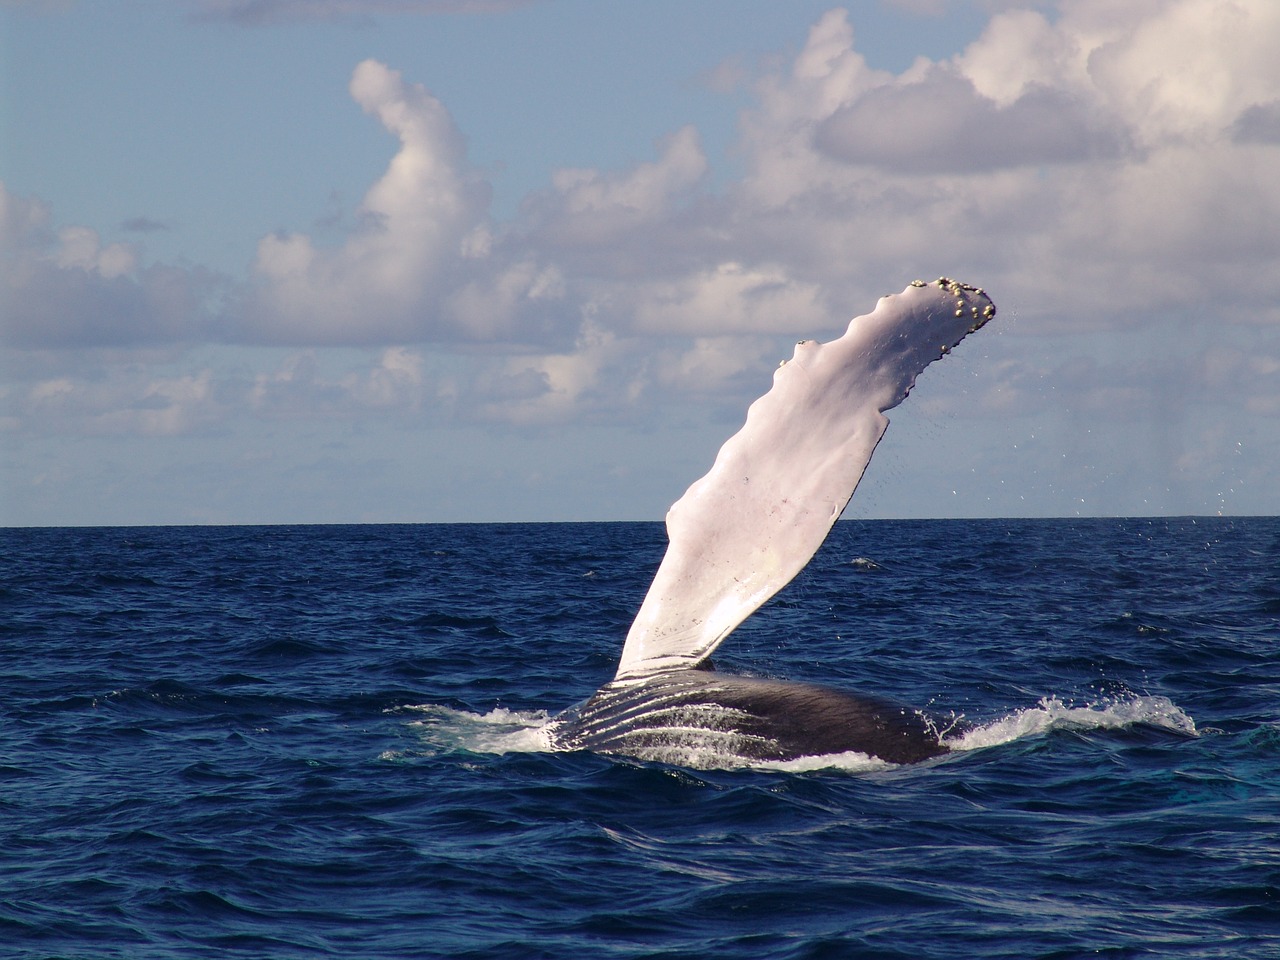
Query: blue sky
(284,261)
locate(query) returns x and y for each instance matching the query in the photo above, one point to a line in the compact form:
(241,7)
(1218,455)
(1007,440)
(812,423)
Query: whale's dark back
(703,718)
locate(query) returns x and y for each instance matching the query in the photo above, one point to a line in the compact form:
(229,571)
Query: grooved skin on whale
(757,719)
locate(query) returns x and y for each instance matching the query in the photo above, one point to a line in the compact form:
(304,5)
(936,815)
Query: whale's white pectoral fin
(743,531)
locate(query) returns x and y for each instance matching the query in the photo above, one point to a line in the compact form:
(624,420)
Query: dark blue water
(328,742)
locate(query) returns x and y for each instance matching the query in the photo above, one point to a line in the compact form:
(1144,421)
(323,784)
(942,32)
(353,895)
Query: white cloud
(551,388)
(109,393)
(385,282)
(1062,163)
(1183,73)
(1067,165)
(123,402)
(80,247)
(589,207)
(66,289)
(23,223)
(941,124)
(1020,50)
(394,382)
(730,298)
(622,380)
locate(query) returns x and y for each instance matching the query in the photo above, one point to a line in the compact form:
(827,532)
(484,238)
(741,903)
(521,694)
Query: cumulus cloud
(587,206)
(1182,73)
(67,288)
(416,225)
(1067,163)
(1111,168)
(941,124)
(605,230)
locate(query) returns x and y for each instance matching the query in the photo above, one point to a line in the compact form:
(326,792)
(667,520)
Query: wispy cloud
(145,225)
(254,13)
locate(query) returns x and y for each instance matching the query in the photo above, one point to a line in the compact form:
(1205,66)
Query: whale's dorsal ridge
(743,531)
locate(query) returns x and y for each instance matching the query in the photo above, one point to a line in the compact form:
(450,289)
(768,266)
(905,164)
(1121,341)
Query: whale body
(743,531)
(700,717)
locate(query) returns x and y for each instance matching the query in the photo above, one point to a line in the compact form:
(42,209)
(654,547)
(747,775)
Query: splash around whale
(743,531)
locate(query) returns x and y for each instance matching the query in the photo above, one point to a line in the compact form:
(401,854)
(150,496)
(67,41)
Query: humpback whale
(743,531)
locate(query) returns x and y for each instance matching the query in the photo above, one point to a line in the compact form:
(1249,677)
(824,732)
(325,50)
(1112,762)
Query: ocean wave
(1051,713)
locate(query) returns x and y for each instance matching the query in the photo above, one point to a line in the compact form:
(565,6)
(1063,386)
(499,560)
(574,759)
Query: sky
(304,261)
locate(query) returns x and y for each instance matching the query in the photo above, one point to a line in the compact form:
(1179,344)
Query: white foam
(498,731)
(850,760)
(1053,714)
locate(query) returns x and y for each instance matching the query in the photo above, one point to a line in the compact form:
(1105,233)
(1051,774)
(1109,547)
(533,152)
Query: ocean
(331,741)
